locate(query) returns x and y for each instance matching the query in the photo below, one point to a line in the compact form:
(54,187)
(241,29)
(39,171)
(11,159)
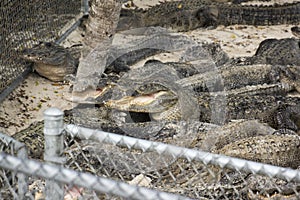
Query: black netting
(26,22)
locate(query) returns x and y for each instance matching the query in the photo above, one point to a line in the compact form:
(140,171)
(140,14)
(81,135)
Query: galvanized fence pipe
(189,154)
(67,176)
(21,150)
(85,7)
(54,147)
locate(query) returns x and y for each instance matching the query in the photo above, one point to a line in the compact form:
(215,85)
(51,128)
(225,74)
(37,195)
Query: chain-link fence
(192,173)
(12,179)
(26,23)
(102,165)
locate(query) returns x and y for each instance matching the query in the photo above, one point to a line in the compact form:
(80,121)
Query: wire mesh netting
(24,24)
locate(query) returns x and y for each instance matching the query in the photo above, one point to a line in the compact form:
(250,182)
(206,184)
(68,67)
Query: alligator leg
(288,119)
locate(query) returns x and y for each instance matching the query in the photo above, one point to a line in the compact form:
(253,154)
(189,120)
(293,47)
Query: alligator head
(156,102)
(50,60)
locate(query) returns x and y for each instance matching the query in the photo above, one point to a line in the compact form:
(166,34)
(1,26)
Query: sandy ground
(28,102)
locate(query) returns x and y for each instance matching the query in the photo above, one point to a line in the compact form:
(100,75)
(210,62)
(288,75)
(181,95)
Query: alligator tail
(288,13)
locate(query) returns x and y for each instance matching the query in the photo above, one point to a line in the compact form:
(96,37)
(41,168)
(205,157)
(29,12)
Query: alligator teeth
(87,96)
(155,102)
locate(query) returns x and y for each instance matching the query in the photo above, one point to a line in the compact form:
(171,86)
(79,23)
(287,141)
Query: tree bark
(102,22)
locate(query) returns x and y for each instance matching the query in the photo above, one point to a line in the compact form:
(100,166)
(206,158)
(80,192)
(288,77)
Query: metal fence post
(54,146)
(22,178)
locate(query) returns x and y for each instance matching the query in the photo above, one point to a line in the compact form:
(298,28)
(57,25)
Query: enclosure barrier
(109,179)
(189,154)
(67,176)
(10,145)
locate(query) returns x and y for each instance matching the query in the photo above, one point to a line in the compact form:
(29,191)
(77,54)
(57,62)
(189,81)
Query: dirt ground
(28,102)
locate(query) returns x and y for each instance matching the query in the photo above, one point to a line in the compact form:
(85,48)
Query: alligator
(240,138)
(284,146)
(256,102)
(192,178)
(296,31)
(51,60)
(57,63)
(187,133)
(159,78)
(191,174)
(232,185)
(193,14)
(193,81)
(206,60)
(231,77)
(273,51)
(266,95)
(120,58)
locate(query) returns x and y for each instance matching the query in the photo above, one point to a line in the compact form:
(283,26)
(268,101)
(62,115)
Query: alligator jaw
(150,103)
(88,96)
(31,58)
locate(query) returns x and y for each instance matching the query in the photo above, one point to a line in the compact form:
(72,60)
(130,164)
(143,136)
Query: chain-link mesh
(142,169)
(25,23)
(12,184)
(73,178)
(192,173)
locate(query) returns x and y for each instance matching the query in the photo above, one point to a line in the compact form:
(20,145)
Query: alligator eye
(48,44)
(142,88)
